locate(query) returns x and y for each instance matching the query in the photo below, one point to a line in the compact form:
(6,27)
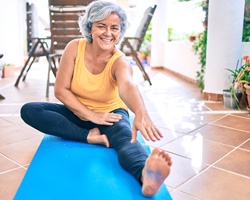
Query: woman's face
(105,33)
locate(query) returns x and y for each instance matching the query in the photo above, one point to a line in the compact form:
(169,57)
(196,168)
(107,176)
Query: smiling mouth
(106,40)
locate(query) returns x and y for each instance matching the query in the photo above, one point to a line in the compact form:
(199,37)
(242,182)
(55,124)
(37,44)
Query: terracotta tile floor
(209,144)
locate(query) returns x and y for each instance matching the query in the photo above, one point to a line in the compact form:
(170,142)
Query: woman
(94,83)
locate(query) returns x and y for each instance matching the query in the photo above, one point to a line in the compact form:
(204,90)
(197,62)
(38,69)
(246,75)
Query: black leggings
(56,119)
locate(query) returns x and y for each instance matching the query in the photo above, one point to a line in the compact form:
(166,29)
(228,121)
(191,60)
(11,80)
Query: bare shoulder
(73,44)
(122,68)
(71,48)
(122,63)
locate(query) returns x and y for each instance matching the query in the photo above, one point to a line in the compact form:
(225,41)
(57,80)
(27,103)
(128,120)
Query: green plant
(203,3)
(146,44)
(246,30)
(200,48)
(170,33)
(239,76)
(2,66)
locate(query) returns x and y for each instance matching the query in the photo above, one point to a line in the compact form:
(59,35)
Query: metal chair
(37,47)
(1,96)
(131,45)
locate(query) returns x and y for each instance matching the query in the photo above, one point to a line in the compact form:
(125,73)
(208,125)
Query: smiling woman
(95,84)
(99,13)
(106,32)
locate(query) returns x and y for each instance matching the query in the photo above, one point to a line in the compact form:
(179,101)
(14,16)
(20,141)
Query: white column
(159,33)
(225,25)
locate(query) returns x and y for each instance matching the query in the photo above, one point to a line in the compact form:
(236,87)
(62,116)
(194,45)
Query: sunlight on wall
(185,17)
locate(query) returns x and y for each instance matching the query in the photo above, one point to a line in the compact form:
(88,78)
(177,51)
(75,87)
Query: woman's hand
(144,124)
(105,118)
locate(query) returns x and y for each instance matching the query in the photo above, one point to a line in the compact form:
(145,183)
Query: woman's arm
(131,96)
(64,94)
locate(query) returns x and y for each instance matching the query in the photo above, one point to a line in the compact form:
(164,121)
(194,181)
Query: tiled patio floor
(209,144)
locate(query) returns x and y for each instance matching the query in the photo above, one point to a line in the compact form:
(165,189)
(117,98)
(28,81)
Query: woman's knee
(29,111)
(26,110)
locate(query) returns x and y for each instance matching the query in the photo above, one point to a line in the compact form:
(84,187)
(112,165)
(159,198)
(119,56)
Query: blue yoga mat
(69,170)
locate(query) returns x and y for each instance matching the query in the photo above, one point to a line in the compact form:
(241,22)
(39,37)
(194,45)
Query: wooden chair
(64,27)
(131,45)
(37,47)
(1,96)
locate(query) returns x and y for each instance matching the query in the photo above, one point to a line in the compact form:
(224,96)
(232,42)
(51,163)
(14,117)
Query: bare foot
(95,137)
(156,170)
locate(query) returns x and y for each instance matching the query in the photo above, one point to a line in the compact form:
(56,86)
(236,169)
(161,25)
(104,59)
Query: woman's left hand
(105,118)
(144,124)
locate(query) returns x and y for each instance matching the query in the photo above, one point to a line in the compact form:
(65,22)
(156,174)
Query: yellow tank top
(98,92)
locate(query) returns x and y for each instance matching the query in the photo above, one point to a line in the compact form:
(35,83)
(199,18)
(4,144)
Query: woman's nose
(108,31)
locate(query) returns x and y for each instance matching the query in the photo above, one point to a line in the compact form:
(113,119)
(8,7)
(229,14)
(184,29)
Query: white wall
(159,33)
(13,36)
(180,58)
(12,31)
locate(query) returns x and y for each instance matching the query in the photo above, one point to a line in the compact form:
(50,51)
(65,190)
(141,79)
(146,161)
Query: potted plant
(241,76)
(7,70)
(244,80)
(145,49)
(145,54)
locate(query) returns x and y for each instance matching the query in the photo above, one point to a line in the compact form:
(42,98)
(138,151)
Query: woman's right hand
(105,118)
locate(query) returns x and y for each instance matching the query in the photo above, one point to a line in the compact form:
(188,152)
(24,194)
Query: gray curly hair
(97,11)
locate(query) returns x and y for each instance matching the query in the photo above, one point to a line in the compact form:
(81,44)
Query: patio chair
(36,47)
(1,96)
(64,27)
(131,45)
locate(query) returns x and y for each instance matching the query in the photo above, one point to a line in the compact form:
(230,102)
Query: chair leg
(22,71)
(48,81)
(1,97)
(26,73)
(144,73)
(54,67)
(139,64)
(31,55)
(50,68)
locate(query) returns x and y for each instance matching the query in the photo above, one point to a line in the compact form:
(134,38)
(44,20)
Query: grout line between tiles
(7,85)
(9,115)
(207,108)
(223,112)
(10,170)
(20,166)
(185,193)
(229,127)
(225,170)
(213,165)
(11,104)
(241,116)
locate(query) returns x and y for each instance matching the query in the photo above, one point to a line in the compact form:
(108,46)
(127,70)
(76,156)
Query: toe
(156,151)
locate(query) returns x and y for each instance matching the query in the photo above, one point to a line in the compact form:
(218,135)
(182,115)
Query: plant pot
(229,100)
(192,38)
(247,87)
(8,71)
